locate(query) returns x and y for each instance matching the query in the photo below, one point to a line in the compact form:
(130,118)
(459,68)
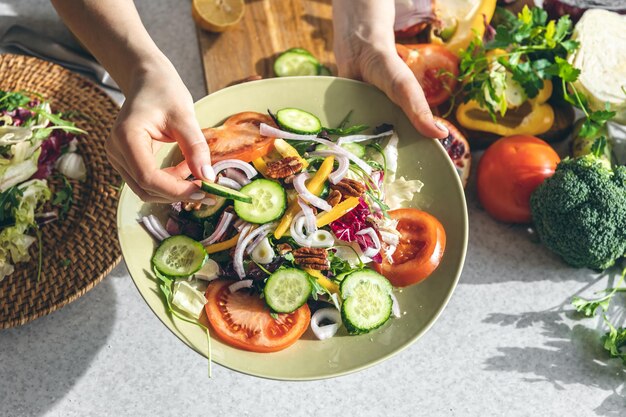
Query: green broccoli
(580,212)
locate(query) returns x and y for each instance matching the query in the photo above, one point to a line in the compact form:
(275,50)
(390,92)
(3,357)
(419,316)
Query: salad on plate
(305,226)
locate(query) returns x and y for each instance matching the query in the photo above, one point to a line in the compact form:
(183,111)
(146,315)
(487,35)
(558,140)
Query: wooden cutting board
(267,28)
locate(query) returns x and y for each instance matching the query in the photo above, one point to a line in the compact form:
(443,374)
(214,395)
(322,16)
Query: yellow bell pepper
(323,280)
(260,165)
(464,20)
(315,186)
(338,211)
(286,150)
(537,119)
(218,247)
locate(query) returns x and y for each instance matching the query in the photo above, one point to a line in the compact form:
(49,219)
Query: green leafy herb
(337,265)
(10,100)
(614,341)
(9,202)
(350,130)
(63,197)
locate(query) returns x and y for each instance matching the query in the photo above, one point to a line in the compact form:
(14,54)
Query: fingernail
(209,201)
(208,173)
(441,127)
(197,196)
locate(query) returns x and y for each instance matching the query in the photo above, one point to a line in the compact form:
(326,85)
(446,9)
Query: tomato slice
(243,320)
(435,67)
(422,243)
(239,137)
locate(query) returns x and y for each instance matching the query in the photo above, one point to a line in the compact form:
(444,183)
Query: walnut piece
(334,197)
(314,258)
(284,167)
(349,188)
(283,248)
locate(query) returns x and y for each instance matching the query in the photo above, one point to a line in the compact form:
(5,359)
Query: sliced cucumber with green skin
(298,121)
(324,70)
(268,201)
(220,190)
(206,212)
(299,51)
(367,301)
(355,148)
(286,290)
(179,256)
(296,62)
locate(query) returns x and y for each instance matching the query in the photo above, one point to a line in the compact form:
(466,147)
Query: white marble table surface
(506,345)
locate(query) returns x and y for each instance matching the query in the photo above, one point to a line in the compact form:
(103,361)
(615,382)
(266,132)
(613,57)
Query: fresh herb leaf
(9,202)
(598,146)
(63,197)
(614,341)
(10,100)
(341,131)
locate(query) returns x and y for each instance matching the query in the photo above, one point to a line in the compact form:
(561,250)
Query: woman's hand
(159,108)
(365,50)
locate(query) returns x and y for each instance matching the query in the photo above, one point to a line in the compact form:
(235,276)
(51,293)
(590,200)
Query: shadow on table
(42,361)
(572,355)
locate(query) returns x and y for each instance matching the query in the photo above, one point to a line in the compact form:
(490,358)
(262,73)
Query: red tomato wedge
(435,68)
(422,243)
(239,137)
(243,320)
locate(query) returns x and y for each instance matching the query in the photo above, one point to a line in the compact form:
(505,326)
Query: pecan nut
(284,167)
(283,248)
(349,188)
(314,258)
(334,197)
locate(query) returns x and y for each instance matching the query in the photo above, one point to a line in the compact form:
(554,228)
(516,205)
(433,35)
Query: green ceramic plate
(420,158)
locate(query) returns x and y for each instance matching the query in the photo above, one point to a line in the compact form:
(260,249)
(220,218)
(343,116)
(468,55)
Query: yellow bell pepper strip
(315,185)
(462,20)
(286,150)
(260,165)
(220,246)
(534,117)
(321,279)
(338,211)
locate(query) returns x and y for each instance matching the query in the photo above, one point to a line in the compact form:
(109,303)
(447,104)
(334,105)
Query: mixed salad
(304,226)
(35,143)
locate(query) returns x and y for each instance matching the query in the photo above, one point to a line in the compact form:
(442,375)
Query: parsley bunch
(535,50)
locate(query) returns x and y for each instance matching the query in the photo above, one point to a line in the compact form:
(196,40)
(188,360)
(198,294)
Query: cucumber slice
(367,301)
(179,256)
(363,276)
(355,148)
(268,201)
(296,61)
(287,289)
(324,70)
(206,212)
(220,190)
(298,121)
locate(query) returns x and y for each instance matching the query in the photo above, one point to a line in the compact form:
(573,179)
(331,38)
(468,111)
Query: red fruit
(458,150)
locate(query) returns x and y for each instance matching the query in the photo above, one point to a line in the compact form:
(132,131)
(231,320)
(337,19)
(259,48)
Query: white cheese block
(602,60)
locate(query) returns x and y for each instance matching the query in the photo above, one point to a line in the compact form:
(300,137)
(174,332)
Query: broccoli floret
(580,212)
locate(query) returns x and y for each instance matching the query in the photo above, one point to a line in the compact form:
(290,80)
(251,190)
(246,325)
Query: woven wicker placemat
(80,250)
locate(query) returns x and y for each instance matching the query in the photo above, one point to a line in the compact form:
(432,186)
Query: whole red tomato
(509,171)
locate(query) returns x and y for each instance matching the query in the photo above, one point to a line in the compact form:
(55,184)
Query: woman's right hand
(159,108)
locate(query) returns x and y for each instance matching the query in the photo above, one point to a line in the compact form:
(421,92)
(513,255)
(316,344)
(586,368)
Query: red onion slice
(220,229)
(321,239)
(158,226)
(242,243)
(267,130)
(373,251)
(296,231)
(306,195)
(310,222)
(148,225)
(246,283)
(237,175)
(341,171)
(362,138)
(230,183)
(329,330)
(235,163)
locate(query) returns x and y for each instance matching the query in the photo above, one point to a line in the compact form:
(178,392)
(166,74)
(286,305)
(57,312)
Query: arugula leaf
(9,202)
(10,100)
(343,131)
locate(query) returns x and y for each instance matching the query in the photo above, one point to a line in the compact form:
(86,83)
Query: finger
(138,162)
(143,195)
(403,89)
(186,131)
(181,170)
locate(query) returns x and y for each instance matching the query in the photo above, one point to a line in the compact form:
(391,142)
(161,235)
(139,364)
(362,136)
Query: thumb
(403,89)
(192,143)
